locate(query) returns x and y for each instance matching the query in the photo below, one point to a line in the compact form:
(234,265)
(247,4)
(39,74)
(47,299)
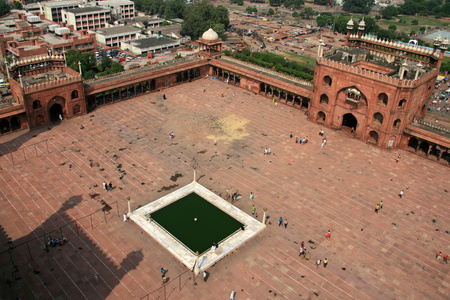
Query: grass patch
(407,27)
(306,61)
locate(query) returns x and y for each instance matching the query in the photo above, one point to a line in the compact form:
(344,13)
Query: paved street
(389,255)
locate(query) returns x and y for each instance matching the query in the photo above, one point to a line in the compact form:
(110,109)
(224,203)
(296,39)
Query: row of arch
(37,103)
(10,124)
(350,121)
(429,150)
(264,89)
(382,99)
(134,90)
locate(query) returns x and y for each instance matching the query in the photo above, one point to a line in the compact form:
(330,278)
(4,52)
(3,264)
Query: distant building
(89,18)
(52,10)
(113,36)
(120,9)
(144,46)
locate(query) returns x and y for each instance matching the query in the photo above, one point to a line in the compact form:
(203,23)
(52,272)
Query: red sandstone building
(374,88)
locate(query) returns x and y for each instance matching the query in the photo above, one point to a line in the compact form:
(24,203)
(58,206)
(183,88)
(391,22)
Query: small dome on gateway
(210,35)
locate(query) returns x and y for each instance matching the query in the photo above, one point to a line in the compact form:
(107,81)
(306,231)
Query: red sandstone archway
(321,117)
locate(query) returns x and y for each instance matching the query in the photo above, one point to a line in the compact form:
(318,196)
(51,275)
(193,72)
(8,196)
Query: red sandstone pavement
(390,255)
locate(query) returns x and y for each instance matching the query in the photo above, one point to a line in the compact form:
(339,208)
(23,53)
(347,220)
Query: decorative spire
(362,25)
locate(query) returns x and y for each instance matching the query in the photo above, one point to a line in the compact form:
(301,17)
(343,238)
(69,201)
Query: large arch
(353,97)
(55,112)
(349,120)
(373,137)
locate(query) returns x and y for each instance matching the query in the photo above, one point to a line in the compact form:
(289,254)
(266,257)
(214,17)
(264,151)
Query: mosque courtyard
(51,185)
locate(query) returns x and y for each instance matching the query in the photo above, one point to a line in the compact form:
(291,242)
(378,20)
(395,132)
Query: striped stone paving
(389,255)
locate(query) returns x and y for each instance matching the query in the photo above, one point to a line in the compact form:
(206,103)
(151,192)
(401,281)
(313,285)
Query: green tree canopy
(174,9)
(271,12)
(17,5)
(390,12)
(200,16)
(4,8)
(293,3)
(87,62)
(358,6)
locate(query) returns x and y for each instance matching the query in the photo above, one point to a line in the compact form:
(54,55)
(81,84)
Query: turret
(361,27)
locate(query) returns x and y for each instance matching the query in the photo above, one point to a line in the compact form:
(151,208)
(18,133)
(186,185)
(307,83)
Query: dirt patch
(227,127)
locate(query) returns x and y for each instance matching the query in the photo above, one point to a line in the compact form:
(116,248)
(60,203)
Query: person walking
(110,186)
(446,259)
(285,223)
(439,255)
(291,135)
(125,218)
(234,94)
(301,251)
(325,262)
(398,158)
(164,96)
(163,279)
(104,185)
(280,221)
(251,196)
(163,271)
(400,194)
(329,235)
(204,89)
(377,207)
(381,204)
(204,275)
(253,210)
(318,263)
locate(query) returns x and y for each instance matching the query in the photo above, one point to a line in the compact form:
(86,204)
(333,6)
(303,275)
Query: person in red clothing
(328,235)
(446,259)
(439,255)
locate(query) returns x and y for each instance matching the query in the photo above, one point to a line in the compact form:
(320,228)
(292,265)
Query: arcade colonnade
(270,91)
(128,91)
(428,149)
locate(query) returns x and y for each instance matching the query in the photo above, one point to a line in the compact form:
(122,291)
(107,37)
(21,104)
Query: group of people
(267,151)
(439,255)
(300,140)
(55,242)
(171,136)
(107,186)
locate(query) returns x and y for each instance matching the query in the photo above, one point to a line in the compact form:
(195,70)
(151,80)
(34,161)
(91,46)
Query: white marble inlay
(207,259)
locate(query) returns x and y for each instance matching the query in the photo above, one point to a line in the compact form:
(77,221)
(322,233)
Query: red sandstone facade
(377,102)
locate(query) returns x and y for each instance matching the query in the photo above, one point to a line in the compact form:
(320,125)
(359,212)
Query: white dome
(210,35)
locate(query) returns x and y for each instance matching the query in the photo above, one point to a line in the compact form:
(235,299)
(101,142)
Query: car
(2,83)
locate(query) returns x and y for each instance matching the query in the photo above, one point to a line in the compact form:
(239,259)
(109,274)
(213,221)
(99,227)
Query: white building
(90,18)
(52,10)
(113,36)
(120,9)
(144,46)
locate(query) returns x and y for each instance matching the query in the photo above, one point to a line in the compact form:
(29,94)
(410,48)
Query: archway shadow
(79,267)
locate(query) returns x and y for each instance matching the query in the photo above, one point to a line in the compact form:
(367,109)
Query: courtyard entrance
(55,112)
(348,122)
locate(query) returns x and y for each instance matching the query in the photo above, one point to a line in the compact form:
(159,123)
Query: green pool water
(212,225)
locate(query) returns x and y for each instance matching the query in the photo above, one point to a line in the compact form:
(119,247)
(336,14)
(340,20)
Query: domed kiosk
(210,44)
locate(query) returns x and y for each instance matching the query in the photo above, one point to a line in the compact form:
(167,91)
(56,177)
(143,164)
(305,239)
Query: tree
(422,29)
(414,22)
(389,12)
(200,16)
(293,3)
(296,15)
(250,9)
(271,12)
(392,27)
(4,8)
(413,32)
(321,2)
(358,6)
(174,9)
(17,5)
(377,17)
(104,64)
(275,2)
(87,62)
(308,13)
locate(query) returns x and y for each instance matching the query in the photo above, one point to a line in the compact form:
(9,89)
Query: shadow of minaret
(78,269)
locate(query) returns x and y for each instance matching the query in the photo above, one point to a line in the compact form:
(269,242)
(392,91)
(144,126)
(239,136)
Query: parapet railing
(50,84)
(289,77)
(431,125)
(366,73)
(148,67)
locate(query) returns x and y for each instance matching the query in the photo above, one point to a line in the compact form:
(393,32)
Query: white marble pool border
(207,259)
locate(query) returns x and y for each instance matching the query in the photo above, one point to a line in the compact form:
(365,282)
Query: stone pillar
(429,149)
(440,154)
